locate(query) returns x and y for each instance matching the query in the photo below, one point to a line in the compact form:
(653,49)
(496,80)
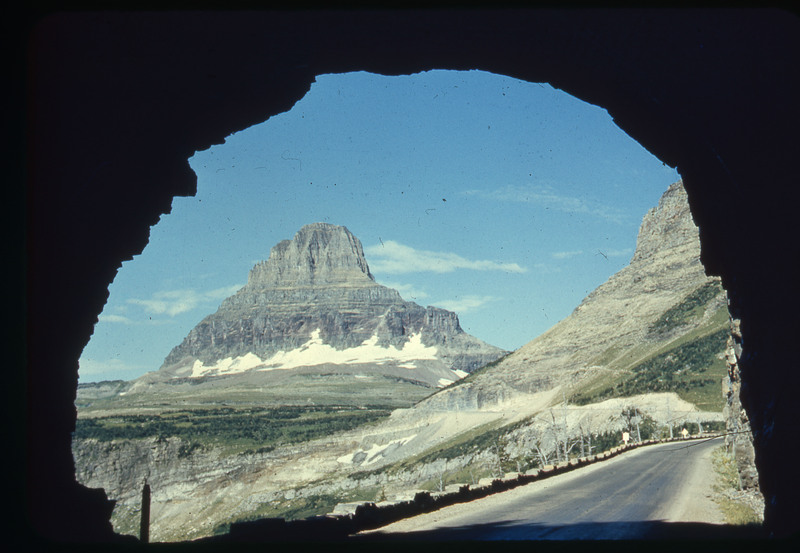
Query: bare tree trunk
(541,454)
(557,437)
(669,419)
(566,426)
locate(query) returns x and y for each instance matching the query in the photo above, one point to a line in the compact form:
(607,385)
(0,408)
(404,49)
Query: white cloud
(114,319)
(547,197)
(466,303)
(175,302)
(394,258)
(170,302)
(566,255)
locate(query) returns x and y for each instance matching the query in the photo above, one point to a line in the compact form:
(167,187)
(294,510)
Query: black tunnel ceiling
(117,102)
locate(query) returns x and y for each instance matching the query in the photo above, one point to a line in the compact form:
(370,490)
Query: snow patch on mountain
(315,352)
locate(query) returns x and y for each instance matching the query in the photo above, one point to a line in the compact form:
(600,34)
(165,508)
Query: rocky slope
(653,316)
(314,303)
(616,325)
(517,412)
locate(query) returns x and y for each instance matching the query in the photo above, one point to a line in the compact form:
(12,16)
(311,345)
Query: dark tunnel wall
(117,103)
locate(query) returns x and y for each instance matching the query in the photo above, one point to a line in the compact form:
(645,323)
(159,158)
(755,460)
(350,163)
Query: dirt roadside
(696,501)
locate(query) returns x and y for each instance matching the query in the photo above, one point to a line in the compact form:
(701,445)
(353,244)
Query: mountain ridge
(616,315)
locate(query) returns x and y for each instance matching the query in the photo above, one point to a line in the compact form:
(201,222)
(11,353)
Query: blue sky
(503,200)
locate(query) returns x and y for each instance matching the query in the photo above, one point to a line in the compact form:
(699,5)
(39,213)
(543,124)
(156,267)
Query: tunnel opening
(569,236)
(720,159)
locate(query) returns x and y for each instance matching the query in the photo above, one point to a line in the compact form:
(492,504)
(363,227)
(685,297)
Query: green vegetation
(620,358)
(605,441)
(690,308)
(648,427)
(728,479)
(607,357)
(725,466)
(692,369)
(101,384)
(243,428)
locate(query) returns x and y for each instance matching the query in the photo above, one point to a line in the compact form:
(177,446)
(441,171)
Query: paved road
(639,494)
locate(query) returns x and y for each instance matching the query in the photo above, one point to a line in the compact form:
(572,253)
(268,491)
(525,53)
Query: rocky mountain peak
(667,225)
(319,254)
(612,326)
(314,302)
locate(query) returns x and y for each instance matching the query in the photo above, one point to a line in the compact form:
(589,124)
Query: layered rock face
(315,302)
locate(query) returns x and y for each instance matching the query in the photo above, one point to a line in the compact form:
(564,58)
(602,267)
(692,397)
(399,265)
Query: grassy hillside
(688,310)
(236,430)
(681,353)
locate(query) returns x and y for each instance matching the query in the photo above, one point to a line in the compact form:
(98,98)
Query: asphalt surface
(633,496)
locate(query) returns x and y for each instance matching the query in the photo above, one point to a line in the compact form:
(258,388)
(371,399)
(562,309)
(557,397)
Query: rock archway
(117,103)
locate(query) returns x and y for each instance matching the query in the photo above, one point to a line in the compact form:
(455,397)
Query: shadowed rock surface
(117,102)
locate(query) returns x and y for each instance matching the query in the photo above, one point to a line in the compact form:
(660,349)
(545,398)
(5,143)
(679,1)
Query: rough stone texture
(320,280)
(739,439)
(320,254)
(668,226)
(117,102)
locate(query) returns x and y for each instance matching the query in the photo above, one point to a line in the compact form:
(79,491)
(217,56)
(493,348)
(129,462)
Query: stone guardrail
(350,518)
